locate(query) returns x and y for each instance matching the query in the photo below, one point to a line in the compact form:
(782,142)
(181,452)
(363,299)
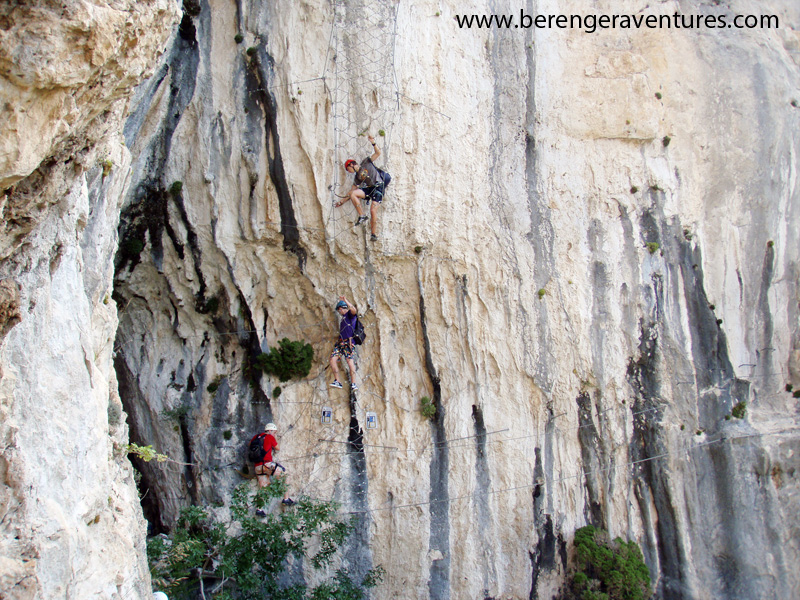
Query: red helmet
(349,162)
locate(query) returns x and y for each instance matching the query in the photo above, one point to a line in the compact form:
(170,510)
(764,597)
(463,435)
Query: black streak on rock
(261,69)
(357,552)
(652,480)
(439,582)
(484,484)
(593,459)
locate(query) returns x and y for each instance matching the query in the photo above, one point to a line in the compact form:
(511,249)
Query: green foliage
(770,243)
(212,305)
(796,394)
(108,164)
(238,38)
(251,51)
(634,189)
(739,410)
(418,249)
(132,247)
(427,408)
(146,453)
(541,293)
(227,434)
(175,413)
(381,133)
(245,558)
(176,188)
(789,387)
(276,391)
(290,359)
(607,570)
(666,140)
(652,247)
(658,95)
(214,385)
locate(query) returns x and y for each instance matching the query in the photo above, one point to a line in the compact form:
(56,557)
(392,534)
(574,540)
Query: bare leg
(262,477)
(335,367)
(352,366)
(279,475)
(373,222)
(355,197)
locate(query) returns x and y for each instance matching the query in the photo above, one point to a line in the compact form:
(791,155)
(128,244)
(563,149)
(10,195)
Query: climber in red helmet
(369,184)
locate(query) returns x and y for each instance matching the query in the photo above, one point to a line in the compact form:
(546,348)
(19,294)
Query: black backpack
(255,452)
(359,335)
(385,177)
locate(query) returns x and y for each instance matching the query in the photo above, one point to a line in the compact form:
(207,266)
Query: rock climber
(369,184)
(260,452)
(344,345)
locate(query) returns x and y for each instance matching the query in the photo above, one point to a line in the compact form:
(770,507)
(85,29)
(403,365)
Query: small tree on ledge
(292,359)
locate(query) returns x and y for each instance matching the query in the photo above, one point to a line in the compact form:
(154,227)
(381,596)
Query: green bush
(133,247)
(290,359)
(212,305)
(245,559)
(739,410)
(175,413)
(607,570)
(214,385)
(427,408)
(652,247)
(176,188)
(276,391)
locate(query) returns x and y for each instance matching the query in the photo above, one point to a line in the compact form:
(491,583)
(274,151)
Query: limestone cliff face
(579,374)
(587,257)
(70,526)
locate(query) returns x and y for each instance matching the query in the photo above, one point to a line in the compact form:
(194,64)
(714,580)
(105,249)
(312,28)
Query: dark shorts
(342,348)
(373,193)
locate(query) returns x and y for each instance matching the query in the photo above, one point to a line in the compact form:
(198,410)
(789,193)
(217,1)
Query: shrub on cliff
(290,359)
(246,559)
(608,570)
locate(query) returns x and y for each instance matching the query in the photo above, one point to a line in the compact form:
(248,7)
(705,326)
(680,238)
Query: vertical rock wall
(587,257)
(70,524)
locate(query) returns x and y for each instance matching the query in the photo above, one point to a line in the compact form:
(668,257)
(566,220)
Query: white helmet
(160,596)
(271,427)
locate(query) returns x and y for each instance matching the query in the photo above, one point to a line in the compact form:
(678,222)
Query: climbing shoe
(260,513)
(336,385)
(354,386)
(288,502)
(373,238)
(361,219)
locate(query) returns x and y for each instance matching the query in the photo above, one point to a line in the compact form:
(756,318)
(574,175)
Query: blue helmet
(341,304)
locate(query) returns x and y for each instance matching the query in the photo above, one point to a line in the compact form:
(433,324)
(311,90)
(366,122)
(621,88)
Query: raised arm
(351,307)
(377,151)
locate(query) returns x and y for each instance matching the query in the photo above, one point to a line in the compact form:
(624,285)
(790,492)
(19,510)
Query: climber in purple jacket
(344,345)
